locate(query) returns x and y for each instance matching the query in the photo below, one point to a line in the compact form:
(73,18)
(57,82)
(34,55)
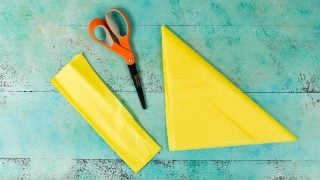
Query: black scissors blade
(137,84)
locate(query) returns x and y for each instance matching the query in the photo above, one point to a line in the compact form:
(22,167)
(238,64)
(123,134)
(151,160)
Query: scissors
(119,43)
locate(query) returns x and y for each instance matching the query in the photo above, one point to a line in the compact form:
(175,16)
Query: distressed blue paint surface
(270,49)
(116,169)
(56,129)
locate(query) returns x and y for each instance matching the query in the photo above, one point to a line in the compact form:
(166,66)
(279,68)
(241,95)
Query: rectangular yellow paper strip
(81,86)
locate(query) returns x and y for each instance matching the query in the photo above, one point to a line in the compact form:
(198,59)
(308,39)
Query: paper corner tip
(163,27)
(136,171)
(80,54)
(172,149)
(53,80)
(294,139)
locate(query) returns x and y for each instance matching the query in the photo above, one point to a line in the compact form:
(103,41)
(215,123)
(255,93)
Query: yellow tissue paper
(82,87)
(204,109)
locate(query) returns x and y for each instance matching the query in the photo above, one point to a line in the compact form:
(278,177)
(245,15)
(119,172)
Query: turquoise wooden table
(270,49)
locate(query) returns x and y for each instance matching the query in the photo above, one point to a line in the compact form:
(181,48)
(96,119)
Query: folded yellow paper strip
(204,109)
(81,86)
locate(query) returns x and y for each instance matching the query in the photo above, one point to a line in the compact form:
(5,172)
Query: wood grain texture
(27,168)
(285,59)
(55,129)
(270,49)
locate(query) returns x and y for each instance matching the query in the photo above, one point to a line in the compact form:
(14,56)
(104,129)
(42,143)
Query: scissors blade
(137,83)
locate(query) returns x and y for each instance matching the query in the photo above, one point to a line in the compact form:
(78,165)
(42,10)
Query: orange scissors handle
(118,41)
(114,39)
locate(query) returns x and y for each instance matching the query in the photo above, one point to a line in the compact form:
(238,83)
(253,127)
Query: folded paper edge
(136,169)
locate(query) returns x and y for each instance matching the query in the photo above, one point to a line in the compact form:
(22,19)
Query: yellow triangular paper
(204,109)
